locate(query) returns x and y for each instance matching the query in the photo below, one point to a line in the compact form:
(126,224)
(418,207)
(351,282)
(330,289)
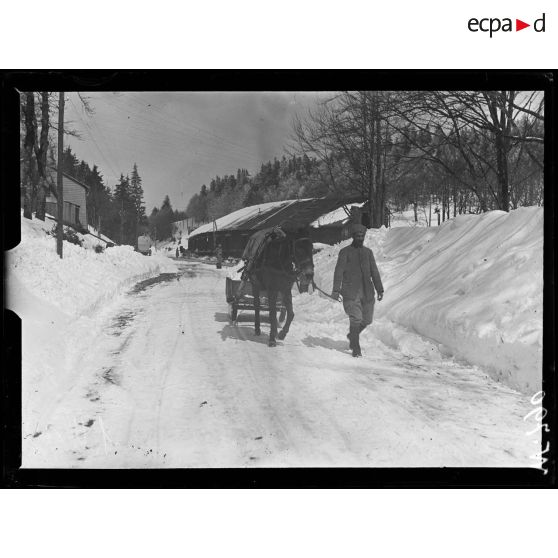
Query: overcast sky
(182,140)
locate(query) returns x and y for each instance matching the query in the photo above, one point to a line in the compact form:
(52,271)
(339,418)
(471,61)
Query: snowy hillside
(407,219)
(473,286)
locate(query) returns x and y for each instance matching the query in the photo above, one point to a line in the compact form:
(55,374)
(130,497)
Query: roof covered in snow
(295,213)
(336,216)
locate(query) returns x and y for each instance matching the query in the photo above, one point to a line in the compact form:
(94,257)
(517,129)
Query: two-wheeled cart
(246,302)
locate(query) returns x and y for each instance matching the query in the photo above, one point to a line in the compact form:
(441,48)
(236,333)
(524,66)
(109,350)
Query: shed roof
(52,175)
(295,213)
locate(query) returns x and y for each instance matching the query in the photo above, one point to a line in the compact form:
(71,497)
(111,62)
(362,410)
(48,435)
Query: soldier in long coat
(356,277)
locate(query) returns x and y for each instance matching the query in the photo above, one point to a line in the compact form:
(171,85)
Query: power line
(197,129)
(88,129)
(182,133)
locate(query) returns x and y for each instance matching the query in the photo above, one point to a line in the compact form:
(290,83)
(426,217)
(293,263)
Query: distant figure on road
(355,278)
(219,255)
(177,252)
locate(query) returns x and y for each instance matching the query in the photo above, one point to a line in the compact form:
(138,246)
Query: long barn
(233,230)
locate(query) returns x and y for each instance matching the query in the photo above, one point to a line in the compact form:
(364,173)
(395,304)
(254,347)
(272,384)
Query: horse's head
(304,262)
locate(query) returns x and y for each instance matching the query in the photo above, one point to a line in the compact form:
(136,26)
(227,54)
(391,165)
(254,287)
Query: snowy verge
(62,304)
(83,280)
(474,286)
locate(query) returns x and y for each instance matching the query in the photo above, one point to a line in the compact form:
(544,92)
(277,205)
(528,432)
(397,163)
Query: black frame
(270,80)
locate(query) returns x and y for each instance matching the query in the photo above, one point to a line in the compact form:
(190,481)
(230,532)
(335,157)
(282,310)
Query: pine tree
(164,219)
(136,195)
(124,204)
(69,162)
(153,223)
(97,197)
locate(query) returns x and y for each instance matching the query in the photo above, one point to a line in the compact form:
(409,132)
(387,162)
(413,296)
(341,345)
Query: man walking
(355,278)
(219,256)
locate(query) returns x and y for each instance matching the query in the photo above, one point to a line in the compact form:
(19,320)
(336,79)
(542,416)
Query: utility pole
(122,222)
(59,182)
(214,234)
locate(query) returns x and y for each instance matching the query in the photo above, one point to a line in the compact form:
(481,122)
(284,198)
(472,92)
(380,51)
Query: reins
(326,294)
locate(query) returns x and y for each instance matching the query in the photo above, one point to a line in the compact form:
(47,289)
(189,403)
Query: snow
(80,281)
(407,219)
(236,217)
(157,376)
(334,216)
(102,237)
(473,286)
(317,246)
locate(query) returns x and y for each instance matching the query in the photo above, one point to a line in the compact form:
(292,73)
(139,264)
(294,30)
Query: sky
(181,140)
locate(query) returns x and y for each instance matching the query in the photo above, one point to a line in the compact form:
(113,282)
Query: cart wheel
(282,315)
(233,312)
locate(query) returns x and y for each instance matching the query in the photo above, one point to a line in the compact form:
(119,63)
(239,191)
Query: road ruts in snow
(168,381)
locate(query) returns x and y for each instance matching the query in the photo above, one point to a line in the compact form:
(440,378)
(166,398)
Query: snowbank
(62,303)
(83,278)
(473,286)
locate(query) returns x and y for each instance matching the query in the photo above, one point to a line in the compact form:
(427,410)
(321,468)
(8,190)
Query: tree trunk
(378,218)
(28,177)
(369,146)
(59,179)
(41,199)
(503,178)
(430,212)
(41,154)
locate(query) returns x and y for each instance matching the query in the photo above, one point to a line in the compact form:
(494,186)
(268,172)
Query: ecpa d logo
(492,25)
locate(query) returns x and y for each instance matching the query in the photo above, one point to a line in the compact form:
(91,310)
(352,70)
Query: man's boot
(350,338)
(361,328)
(354,340)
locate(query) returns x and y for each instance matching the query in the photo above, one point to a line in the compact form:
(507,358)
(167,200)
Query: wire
(197,129)
(234,150)
(88,129)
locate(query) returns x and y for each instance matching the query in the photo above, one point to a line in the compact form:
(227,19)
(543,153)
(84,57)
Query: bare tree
(35,149)
(349,134)
(483,127)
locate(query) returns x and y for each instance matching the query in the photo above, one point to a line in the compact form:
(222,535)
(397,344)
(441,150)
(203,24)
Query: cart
(247,300)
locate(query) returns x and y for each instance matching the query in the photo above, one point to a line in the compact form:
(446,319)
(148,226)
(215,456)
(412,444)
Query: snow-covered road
(167,381)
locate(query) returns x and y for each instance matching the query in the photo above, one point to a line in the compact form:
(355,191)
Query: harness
(262,260)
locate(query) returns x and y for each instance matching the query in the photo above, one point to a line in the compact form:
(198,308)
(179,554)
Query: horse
(283,261)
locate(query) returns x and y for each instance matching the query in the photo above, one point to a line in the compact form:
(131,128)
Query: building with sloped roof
(75,199)
(232,231)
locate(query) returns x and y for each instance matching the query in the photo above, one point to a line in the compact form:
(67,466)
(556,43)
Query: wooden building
(75,200)
(232,231)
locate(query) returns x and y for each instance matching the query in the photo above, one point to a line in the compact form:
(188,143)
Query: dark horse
(283,261)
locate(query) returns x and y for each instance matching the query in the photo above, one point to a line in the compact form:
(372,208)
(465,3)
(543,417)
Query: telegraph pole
(59,183)
(122,222)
